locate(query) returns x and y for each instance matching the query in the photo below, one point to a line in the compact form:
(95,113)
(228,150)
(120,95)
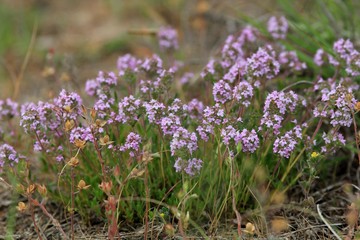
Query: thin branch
(326,222)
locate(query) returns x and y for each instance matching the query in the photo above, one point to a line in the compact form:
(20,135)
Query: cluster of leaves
(128,155)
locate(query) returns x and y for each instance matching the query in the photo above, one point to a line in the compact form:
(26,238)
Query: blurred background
(47,45)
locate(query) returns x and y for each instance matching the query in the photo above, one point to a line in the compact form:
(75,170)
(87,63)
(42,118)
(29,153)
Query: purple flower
(195,108)
(231,52)
(262,64)
(332,140)
(345,49)
(170,124)
(101,85)
(285,145)
(248,34)
(69,104)
(43,144)
(209,69)
(229,133)
(132,143)
(103,104)
(277,27)
(339,101)
(9,155)
(129,108)
(158,84)
(243,93)
(92,87)
(168,38)
(154,111)
(190,167)
(222,92)
(183,140)
(81,133)
(353,67)
(8,109)
(249,140)
(128,63)
(177,107)
(212,116)
(39,116)
(290,61)
(236,71)
(186,77)
(321,57)
(276,105)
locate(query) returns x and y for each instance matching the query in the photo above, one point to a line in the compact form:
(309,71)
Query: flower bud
(21,207)
(48,71)
(30,189)
(105,140)
(69,124)
(82,185)
(73,162)
(169,230)
(137,172)
(249,228)
(93,113)
(146,157)
(117,171)
(357,106)
(67,108)
(41,189)
(106,187)
(79,143)
(100,123)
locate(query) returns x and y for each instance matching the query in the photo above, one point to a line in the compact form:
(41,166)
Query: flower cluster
(333,140)
(277,27)
(40,116)
(186,77)
(183,141)
(195,108)
(222,92)
(82,134)
(290,61)
(8,109)
(321,57)
(157,78)
(168,38)
(170,124)
(154,111)
(231,51)
(101,84)
(277,104)
(129,108)
(8,155)
(285,144)
(128,64)
(248,139)
(209,69)
(243,92)
(132,144)
(190,167)
(69,105)
(229,133)
(212,116)
(344,49)
(262,64)
(338,103)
